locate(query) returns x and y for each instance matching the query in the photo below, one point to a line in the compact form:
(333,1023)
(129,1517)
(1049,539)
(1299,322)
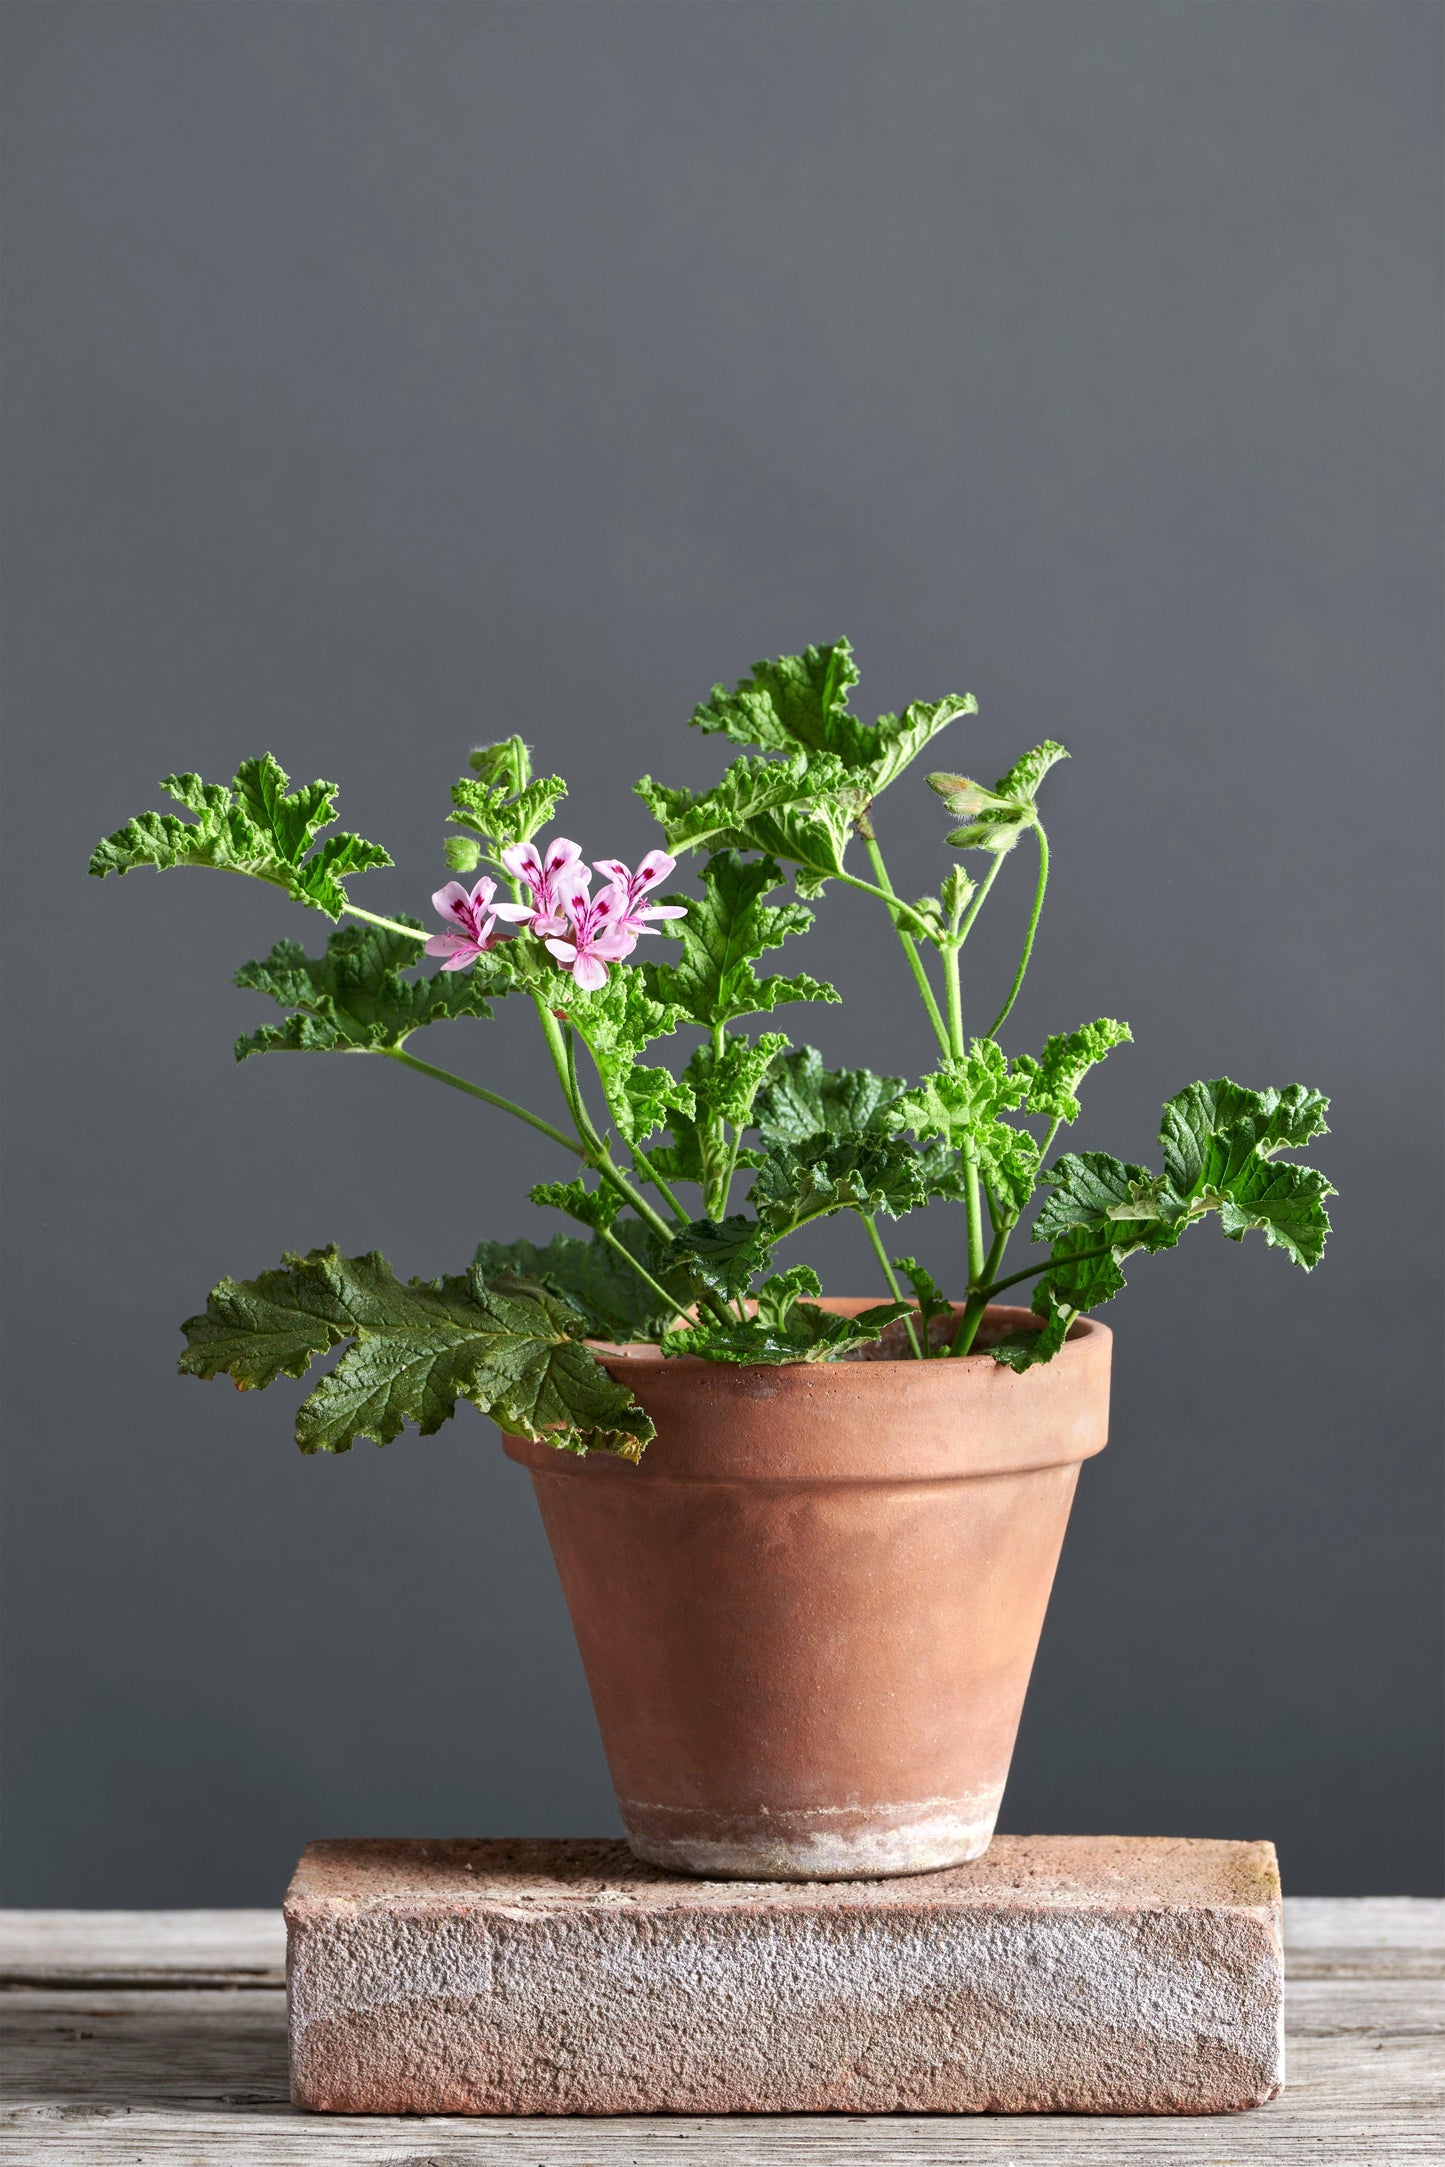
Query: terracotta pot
(809,1615)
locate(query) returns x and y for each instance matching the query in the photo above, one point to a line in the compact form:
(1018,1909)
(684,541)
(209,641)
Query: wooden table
(161,2037)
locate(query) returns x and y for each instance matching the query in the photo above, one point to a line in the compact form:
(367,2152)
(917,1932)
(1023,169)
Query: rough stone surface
(1092,1975)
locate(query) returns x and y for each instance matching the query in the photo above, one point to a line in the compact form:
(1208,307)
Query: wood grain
(99,2071)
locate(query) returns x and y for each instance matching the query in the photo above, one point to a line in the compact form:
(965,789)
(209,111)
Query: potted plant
(806,1543)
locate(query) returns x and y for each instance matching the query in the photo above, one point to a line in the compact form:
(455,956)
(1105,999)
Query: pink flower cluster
(585,932)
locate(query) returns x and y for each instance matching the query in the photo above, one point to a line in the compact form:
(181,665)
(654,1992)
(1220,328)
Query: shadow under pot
(809,1614)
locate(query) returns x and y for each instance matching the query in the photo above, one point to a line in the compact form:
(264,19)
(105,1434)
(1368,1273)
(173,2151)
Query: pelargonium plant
(659,1151)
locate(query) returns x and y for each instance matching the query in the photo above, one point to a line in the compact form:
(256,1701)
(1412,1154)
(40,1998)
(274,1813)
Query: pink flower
(550,880)
(655,867)
(476,920)
(599,935)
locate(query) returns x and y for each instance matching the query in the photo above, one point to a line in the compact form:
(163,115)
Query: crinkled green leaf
(1211,1130)
(1051,1083)
(355,998)
(596,1207)
(932,1302)
(801,702)
(725,931)
(1219,1140)
(962,1104)
(615,1302)
(869,1174)
(994,819)
(500,817)
(800,809)
(785,1328)
(618,1022)
(414,1350)
(803,1099)
(722,1253)
(256,827)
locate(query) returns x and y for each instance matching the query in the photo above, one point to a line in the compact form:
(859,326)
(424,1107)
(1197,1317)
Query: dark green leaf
(509,1347)
(868,1174)
(803,1099)
(616,1303)
(722,1253)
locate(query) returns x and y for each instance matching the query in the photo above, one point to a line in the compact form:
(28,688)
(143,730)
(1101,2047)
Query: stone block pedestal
(1057,1974)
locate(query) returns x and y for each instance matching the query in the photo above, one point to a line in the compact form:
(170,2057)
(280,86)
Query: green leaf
(803,1099)
(800,702)
(255,827)
(1051,1082)
(962,1103)
(510,1347)
(797,1182)
(618,1022)
(1219,1140)
(500,817)
(615,1302)
(931,1301)
(801,809)
(713,982)
(995,819)
(1212,1130)
(785,1328)
(596,1208)
(723,1254)
(354,999)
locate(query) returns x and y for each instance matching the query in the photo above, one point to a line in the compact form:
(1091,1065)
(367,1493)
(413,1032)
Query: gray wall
(384,378)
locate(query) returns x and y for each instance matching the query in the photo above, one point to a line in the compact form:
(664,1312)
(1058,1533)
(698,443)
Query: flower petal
(515,913)
(614,870)
(463,957)
(452,901)
(559,853)
(482,894)
(615,942)
(447,944)
(589,973)
(655,867)
(564,951)
(523,863)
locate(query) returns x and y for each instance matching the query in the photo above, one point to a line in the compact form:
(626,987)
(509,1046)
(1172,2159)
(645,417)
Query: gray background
(387,377)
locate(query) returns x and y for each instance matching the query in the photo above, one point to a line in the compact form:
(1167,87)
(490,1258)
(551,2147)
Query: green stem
(493,1098)
(661,1292)
(896,904)
(980,898)
(908,944)
(392,925)
(975,1219)
(955,1002)
(593,1150)
(1034,1271)
(1013,992)
(891,1276)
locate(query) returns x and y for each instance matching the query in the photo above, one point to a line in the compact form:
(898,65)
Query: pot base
(820,1843)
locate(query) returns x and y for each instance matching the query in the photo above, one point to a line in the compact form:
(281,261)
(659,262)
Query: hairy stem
(891,1276)
(1035,1271)
(392,925)
(908,944)
(1013,992)
(901,911)
(493,1098)
(955,1002)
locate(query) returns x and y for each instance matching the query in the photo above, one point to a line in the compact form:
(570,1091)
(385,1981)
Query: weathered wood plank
(98,2076)
(142,1948)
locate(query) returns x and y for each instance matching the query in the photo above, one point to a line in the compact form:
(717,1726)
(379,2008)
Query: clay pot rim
(646,1356)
